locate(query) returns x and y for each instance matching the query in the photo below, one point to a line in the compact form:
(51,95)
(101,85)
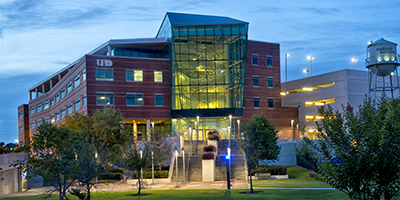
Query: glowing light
(310,58)
(103,97)
(319,104)
(354,60)
(392,73)
(309,117)
(283,93)
(307,89)
(309,103)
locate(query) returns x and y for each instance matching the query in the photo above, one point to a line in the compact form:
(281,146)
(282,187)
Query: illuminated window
(270,81)
(256,102)
(270,102)
(134,99)
(158,76)
(104,74)
(69,87)
(269,61)
(158,100)
(311,88)
(254,59)
(46,105)
(104,99)
(134,75)
(255,81)
(77,81)
(320,102)
(310,118)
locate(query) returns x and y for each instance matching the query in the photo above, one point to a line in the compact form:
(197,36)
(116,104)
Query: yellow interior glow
(283,93)
(307,89)
(310,88)
(320,102)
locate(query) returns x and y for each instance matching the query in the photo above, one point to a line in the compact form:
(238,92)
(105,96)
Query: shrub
(147,174)
(4,149)
(312,174)
(110,176)
(19,149)
(213,135)
(273,170)
(208,156)
(209,148)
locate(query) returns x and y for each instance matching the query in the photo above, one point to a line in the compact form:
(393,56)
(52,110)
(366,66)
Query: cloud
(321,11)
(61,62)
(265,9)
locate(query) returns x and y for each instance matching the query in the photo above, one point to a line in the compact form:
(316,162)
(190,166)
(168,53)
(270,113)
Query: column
(148,130)
(134,130)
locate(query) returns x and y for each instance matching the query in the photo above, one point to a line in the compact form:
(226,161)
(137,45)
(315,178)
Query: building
(199,71)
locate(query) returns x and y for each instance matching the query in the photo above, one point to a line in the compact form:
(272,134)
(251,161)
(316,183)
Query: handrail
(171,167)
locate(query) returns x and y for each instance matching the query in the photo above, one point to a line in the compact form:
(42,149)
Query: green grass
(298,178)
(211,194)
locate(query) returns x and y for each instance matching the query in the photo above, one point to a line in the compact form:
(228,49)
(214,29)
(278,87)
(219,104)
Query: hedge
(273,170)
(147,174)
(209,148)
(111,176)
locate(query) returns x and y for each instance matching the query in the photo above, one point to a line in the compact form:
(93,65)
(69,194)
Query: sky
(40,37)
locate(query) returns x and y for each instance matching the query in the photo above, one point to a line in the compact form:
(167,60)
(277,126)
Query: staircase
(195,165)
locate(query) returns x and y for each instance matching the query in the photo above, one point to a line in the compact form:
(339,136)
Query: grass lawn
(298,178)
(211,194)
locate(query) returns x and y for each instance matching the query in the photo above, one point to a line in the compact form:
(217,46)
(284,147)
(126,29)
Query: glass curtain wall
(180,127)
(208,70)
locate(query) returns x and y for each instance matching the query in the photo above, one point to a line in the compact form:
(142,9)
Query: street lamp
(229,148)
(291,122)
(95,156)
(354,61)
(238,121)
(183,157)
(228,162)
(176,163)
(190,137)
(305,72)
(198,125)
(286,56)
(310,58)
(230,125)
(152,167)
(141,169)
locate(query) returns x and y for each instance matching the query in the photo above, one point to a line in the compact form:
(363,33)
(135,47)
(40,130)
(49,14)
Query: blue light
(227,157)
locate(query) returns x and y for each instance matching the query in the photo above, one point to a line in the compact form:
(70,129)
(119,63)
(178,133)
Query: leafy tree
(2,144)
(4,149)
(259,142)
(11,145)
(51,156)
(361,150)
(160,145)
(133,161)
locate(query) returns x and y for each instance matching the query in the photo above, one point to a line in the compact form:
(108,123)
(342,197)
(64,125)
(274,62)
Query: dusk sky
(40,37)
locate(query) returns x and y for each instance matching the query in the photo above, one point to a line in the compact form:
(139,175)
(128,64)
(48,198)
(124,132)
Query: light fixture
(307,89)
(283,93)
(310,58)
(354,61)
(309,103)
(103,97)
(319,104)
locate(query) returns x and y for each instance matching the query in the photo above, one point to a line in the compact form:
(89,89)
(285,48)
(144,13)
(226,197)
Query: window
(20,115)
(270,83)
(256,102)
(84,100)
(63,93)
(39,108)
(69,108)
(104,74)
(77,104)
(158,100)
(270,102)
(57,115)
(32,110)
(255,81)
(104,99)
(52,101)
(32,125)
(77,81)
(134,75)
(69,87)
(269,61)
(39,122)
(62,112)
(134,99)
(52,119)
(84,75)
(46,105)
(47,120)
(21,128)
(158,76)
(57,97)
(254,59)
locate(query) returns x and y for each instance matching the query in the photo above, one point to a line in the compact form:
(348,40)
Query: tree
(2,144)
(11,146)
(160,145)
(259,142)
(52,157)
(361,150)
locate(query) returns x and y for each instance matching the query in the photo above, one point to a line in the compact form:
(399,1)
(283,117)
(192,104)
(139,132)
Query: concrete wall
(287,157)
(10,178)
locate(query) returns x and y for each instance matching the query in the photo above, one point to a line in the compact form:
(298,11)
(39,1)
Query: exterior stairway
(195,165)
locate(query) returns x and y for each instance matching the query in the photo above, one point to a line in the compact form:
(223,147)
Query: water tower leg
(384,86)
(398,84)
(376,78)
(391,86)
(369,85)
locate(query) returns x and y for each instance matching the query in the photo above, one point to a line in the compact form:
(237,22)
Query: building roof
(381,41)
(183,19)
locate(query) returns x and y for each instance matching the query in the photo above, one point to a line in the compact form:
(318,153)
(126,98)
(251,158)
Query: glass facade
(207,70)
(180,127)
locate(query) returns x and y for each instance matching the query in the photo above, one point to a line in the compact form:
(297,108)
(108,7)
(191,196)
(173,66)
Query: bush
(111,176)
(208,156)
(273,170)
(19,149)
(209,148)
(147,174)
(213,135)
(4,149)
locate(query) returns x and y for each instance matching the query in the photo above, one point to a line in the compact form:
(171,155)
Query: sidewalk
(118,187)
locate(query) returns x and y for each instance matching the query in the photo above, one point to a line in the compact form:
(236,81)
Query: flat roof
(183,19)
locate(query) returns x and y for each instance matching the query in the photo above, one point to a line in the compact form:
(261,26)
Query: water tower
(382,61)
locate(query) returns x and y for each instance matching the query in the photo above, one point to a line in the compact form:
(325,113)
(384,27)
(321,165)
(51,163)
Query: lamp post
(183,157)
(230,125)
(286,56)
(141,169)
(95,156)
(176,163)
(190,137)
(354,61)
(152,167)
(305,72)
(229,149)
(310,58)
(197,128)
(291,123)
(238,121)
(228,161)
